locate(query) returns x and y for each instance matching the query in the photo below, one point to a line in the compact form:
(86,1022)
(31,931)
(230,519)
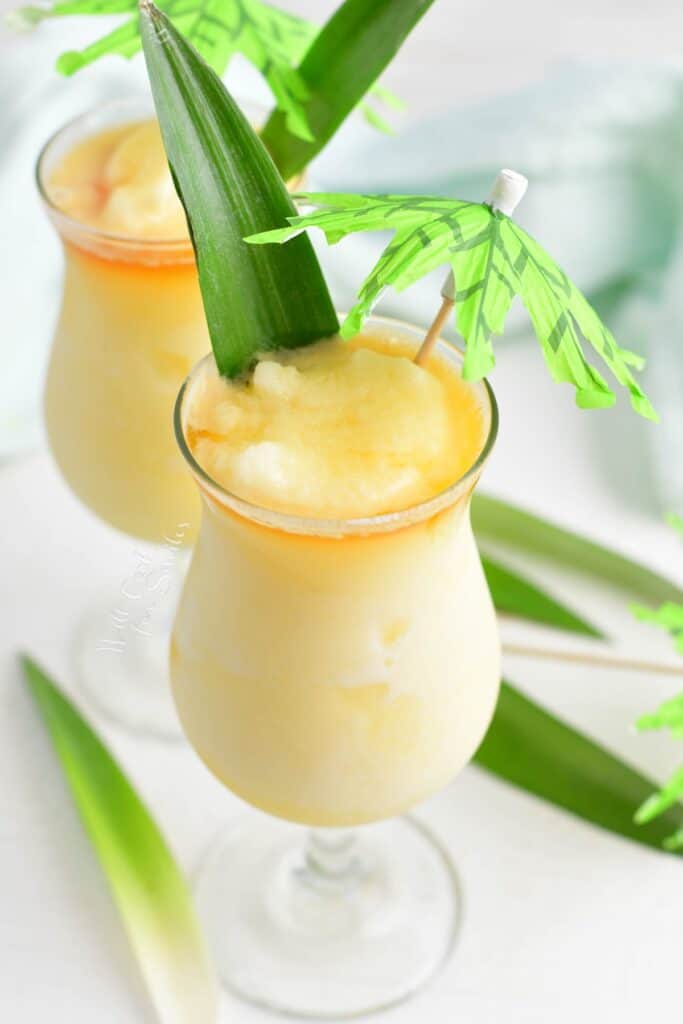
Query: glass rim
(80,228)
(312,526)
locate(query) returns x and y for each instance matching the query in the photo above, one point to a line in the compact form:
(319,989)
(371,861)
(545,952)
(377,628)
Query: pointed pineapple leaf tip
(275,299)
(147,885)
(149,10)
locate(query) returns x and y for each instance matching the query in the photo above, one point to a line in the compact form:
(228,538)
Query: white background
(562,922)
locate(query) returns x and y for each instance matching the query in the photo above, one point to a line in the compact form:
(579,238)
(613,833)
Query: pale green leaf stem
(147,885)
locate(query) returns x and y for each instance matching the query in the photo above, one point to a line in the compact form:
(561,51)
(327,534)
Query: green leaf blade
(506,524)
(147,886)
(529,748)
(254,299)
(340,68)
(500,522)
(514,595)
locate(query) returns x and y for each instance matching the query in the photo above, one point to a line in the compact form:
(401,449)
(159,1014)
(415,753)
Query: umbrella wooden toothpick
(508,190)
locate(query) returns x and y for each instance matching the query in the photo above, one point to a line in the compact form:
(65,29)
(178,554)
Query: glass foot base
(346,924)
(123,673)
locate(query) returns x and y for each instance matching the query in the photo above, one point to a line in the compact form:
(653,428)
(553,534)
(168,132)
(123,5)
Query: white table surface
(562,922)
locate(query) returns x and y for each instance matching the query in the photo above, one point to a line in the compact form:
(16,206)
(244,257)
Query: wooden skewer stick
(593,660)
(508,190)
(434,332)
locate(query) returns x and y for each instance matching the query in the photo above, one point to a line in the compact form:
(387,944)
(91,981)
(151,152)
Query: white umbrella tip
(508,191)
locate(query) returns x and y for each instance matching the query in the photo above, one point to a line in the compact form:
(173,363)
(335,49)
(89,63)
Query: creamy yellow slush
(131,325)
(335,657)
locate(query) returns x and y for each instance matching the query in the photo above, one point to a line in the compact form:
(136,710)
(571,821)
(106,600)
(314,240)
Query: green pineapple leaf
(493,260)
(530,748)
(254,299)
(499,523)
(341,69)
(147,885)
(515,595)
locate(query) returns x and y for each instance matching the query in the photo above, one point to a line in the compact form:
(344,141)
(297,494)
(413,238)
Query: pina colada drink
(131,325)
(335,657)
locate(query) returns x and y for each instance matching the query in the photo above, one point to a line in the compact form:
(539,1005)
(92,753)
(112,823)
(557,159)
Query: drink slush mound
(337,430)
(131,324)
(335,657)
(118,181)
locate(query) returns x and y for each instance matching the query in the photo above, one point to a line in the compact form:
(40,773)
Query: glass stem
(331,857)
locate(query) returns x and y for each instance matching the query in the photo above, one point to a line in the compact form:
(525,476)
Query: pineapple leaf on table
(147,885)
(516,595)
(533,750)
(501,523)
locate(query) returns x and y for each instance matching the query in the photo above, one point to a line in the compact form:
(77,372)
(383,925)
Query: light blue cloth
(601,145)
